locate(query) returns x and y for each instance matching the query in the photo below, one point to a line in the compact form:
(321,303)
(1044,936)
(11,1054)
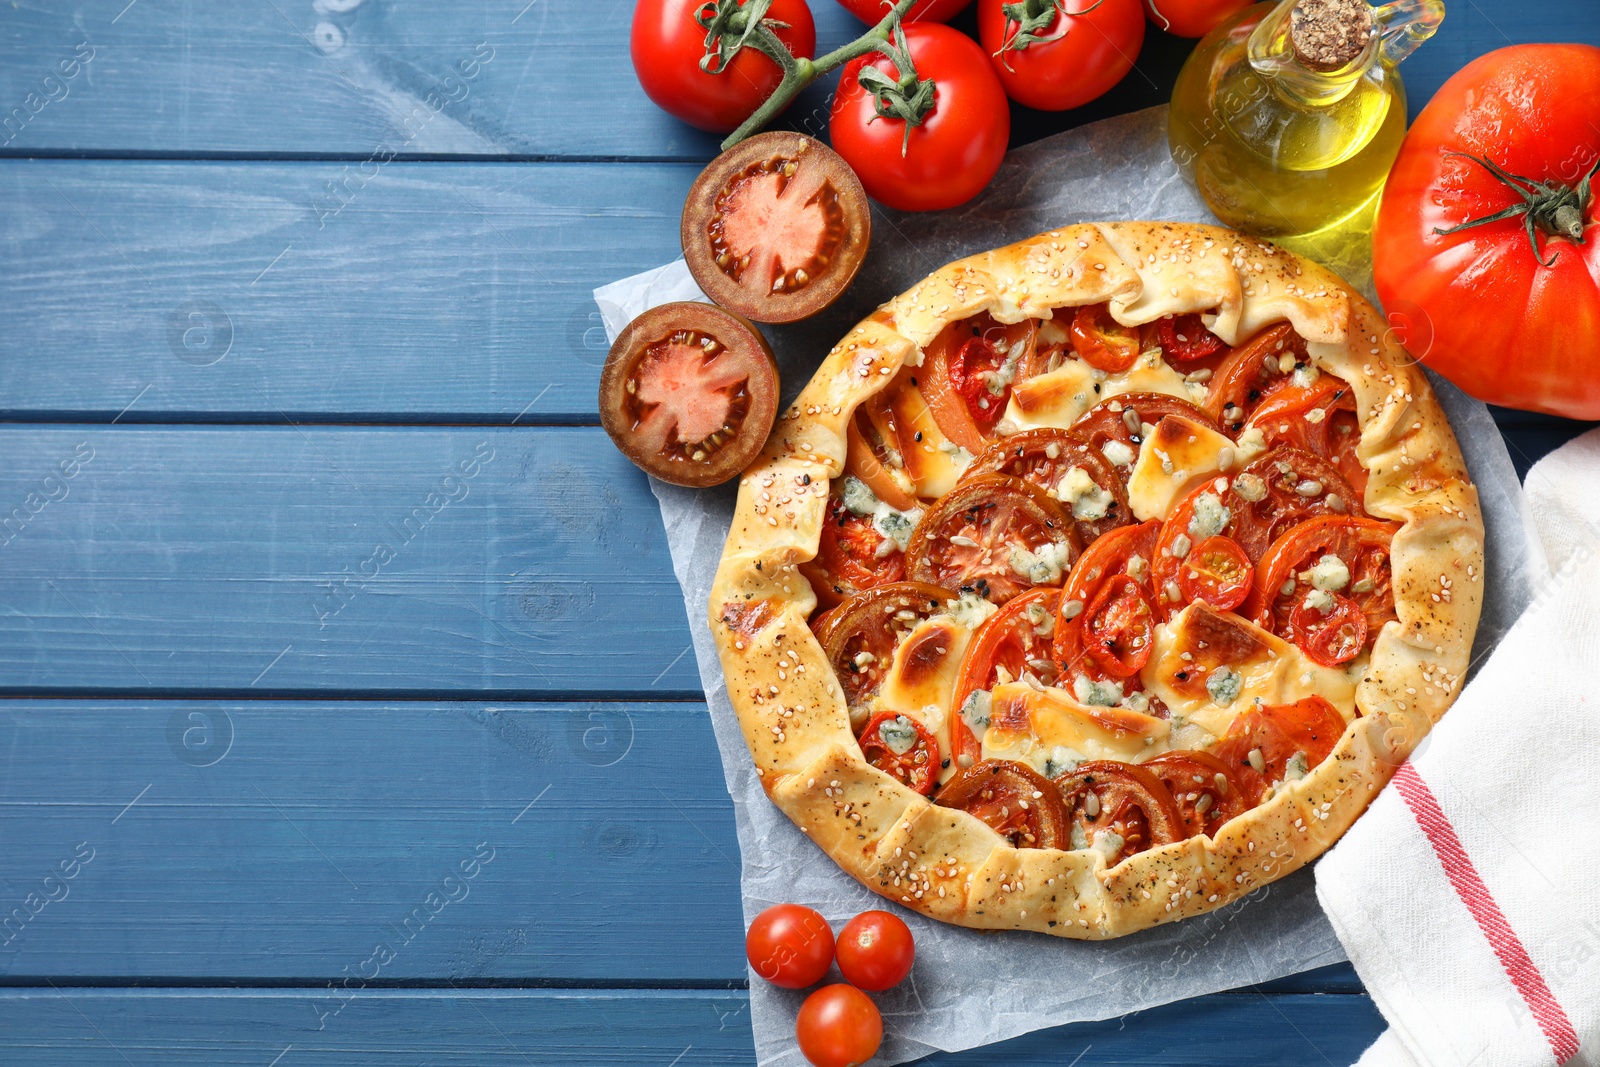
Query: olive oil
(1281,149)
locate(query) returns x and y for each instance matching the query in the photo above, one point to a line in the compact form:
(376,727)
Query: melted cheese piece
(1060,397)
(1029,725)
(933,463)
(1270,670)
(1177,456)
(921,680)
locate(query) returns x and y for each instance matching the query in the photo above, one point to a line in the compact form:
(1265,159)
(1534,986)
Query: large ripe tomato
(1077,51)
(953,154)
(839,1026)
(790,946)
(872,11)
(667,44)
(1193,18)
(1477,305)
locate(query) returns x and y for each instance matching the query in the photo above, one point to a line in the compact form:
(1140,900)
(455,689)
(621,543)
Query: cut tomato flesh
(685,388)
(776,225)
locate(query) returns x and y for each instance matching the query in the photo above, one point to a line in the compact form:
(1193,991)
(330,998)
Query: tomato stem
(1032,18)
(1554,209)
(729,18)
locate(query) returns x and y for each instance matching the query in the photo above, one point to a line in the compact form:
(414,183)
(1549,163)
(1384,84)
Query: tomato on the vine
(950,157)
(1062,53)
(876,950)
(872,11)
(839,1026)
(790,946)
(1193,18)
(667,44)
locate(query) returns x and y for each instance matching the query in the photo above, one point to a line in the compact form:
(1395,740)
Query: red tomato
(876,950)
(1487,313)
(953,154)
(1106,796)
(839,1026)
(1192,18)
(1362,545)
(1082,50)
(1112,554)
(1185,339)
(1013,800)
(1260,743)
(872,11)
(1203,789)
(667,44)
(1331,637)
(1216,571)
(790,946)
(1016,638)
(852,556)
(963,394)
(916,767)
(1103,342)
(1119,627)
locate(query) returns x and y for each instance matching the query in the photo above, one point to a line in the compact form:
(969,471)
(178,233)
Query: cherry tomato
(1260,743)
(790,946)
(839,1026)
(966,391)
(953,154)
(1130,547)
(1282,489)
(1202,787)
(667,44)
(995,535)
(1045,458)
(1362,545)
(1217,571)
(1085,48)
(1103,342)
(860,635)
(1106,796)
(1333,637)
(1119,627)
(1012,799)
(1014,639)
(875,951)
(689,393)
(852,556)
(917,766)
(1185,339)
(872,11)
(1179,533)
(1193,18)
(1248,372)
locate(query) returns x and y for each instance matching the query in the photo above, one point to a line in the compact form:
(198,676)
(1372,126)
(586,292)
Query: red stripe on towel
(1464,878)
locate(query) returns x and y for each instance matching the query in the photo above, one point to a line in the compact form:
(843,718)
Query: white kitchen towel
(1468,897)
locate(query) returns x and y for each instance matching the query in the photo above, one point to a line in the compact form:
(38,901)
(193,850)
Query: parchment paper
(970,988)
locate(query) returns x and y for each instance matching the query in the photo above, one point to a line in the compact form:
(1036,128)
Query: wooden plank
(249,292)
(648,1028)
(508,77)
(262,840)
(295,561)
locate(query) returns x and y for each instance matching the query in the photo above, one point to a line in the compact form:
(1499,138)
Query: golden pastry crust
(945,862)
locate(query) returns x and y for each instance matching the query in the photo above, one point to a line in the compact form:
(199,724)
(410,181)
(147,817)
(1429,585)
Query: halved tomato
(1249,371)
(1217,571)
(995,535)
(969,369)
(860,636)
(1046,458)
(852,556)
(1122,418)
(1283,577)
(1104,796)
(1017,638)
(902,748)
(1103,342)
(776,227)
(1118,627)
(1118,552)
(1259,745)
(1203,789)
(1331,636)
(1281,489)
(1320,419)
(1013,799)
(1203,512)
(1185,339)
(689,393)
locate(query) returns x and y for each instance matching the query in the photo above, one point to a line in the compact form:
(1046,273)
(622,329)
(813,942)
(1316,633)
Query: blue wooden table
(346,700)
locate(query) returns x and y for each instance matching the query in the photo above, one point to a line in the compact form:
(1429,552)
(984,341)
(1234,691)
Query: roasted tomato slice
(1185,339)
(1094,496)
(1217,571)
(902,748)
(1203,790)
(689,393)
(1261,745)
(852,556)
(1118,627)
(776,227)
(1330,554)
(995,535)
(869,457)
(1249,372)
(1104,796)
(1281,489)
(1332,633)
(1103,342)
(860,636)
(1123,418)
(1017,638)
(969,369)
(1013,799)
(1319,418)
(1204,512)
(1125,551)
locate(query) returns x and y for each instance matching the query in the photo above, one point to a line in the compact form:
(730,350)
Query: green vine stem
(1032,18)
(1554,209)
(730,26)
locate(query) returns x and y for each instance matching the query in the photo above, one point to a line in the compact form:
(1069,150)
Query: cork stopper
(1328,34)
